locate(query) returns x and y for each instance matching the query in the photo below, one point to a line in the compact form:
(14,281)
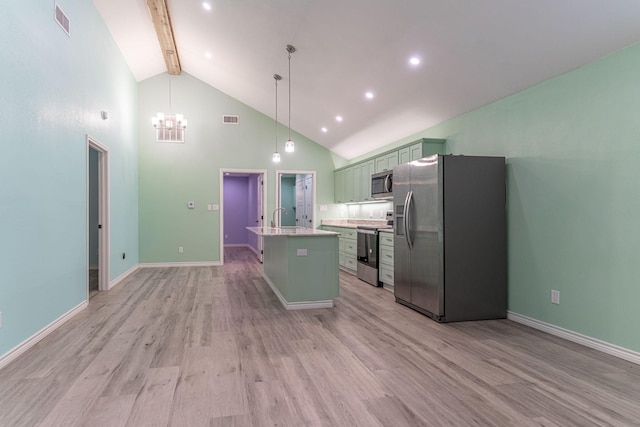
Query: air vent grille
(230,120)
(62,20)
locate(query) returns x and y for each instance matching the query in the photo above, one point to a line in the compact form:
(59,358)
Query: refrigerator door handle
(406,219)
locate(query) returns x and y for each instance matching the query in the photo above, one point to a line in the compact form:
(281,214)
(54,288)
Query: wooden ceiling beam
(164,31)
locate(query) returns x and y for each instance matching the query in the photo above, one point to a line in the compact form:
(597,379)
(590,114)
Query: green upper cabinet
(426,147)
(367,169)
(353,183)
(338,186)
(386,162)
(349,188)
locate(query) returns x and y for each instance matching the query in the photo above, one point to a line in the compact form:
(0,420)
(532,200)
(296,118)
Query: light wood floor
(212,346)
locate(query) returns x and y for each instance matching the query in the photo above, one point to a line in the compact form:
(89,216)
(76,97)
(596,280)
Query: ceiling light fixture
(206,6)
(369,95)
(325,130)
(289,146)
(170,127)
(414,60)
(338,118)
(276,155)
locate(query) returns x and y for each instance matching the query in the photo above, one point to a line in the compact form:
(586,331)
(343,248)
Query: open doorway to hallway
(243,195)
(97,217)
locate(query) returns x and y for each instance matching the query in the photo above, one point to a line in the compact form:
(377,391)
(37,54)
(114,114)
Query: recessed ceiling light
(325,130)
(206,6)
(369,95)
(338,118)
(414,60)
(207,55)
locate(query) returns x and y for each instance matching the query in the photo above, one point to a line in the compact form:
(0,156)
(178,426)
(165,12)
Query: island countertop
(290,231)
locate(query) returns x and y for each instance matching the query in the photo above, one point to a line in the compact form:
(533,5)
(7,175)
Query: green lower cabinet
(302,271)
(347,247)
(385,259)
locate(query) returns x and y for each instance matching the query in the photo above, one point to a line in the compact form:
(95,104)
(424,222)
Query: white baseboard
(14,353)
(299,305)
(180,264)
(120,278)
(605,347)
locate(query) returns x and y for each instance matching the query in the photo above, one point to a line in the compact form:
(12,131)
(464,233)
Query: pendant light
(289,147)
(276,155)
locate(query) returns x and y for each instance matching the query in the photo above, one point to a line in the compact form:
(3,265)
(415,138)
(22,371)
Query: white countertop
(354,223)
(290,231)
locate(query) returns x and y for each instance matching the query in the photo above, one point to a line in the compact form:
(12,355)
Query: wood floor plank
(152,407)
(110,411)
(213,346)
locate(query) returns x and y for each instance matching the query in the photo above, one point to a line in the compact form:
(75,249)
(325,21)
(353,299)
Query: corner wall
(173,174)
(572,145)
(53,89)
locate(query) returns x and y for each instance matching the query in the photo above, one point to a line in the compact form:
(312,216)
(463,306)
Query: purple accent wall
(236,210)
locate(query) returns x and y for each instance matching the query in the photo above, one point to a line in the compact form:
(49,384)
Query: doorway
(243,196)
(97,217)
(295,192)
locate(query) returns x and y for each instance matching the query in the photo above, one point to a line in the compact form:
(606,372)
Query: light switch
(208,207)
(301,252)
(215,207)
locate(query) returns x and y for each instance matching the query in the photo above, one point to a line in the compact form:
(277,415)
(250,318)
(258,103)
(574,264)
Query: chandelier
(169,127)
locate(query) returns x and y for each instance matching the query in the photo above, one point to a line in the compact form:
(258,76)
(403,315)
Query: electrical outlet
(555,297)
(180,249)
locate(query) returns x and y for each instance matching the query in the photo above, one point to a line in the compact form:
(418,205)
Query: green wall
(572,146)
(173,174)
(53,88)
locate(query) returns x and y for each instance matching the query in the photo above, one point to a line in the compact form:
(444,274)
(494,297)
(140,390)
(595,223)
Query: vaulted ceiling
(471,53)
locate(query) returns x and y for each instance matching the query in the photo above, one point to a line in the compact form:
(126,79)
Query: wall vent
(230,120)
(63,20)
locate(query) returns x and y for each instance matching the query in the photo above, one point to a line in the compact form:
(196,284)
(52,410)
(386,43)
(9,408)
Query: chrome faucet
(273,219)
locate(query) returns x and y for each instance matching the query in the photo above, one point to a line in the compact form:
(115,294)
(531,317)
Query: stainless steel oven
(368,255)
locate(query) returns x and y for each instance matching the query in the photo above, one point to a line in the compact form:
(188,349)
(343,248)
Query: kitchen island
(300,265)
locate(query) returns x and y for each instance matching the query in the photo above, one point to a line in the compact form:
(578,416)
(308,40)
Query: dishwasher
(367,269)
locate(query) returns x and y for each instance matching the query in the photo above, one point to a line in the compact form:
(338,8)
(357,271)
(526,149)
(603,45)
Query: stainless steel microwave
(382,185)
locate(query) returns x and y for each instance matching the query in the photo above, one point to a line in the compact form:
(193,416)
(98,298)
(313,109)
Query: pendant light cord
(170,107)
(289,94)
(276,79)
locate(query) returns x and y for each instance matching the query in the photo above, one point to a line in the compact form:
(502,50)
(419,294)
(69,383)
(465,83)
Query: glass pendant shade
(276,157)
(289,147)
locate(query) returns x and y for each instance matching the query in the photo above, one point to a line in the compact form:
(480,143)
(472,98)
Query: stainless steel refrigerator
(450,237)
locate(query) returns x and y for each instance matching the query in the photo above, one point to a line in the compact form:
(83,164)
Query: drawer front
(386,239)
(350,263)
(386,255)
(340,245)
(350,247)
(386,274)
(349,233)
(341,259)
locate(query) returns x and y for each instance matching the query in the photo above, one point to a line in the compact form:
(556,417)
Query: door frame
(263,173)
(278,202)
(103,213)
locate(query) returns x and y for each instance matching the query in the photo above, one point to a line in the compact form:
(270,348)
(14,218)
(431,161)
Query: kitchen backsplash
(363,211)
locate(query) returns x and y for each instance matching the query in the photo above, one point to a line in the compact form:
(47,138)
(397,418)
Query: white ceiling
(473,52)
